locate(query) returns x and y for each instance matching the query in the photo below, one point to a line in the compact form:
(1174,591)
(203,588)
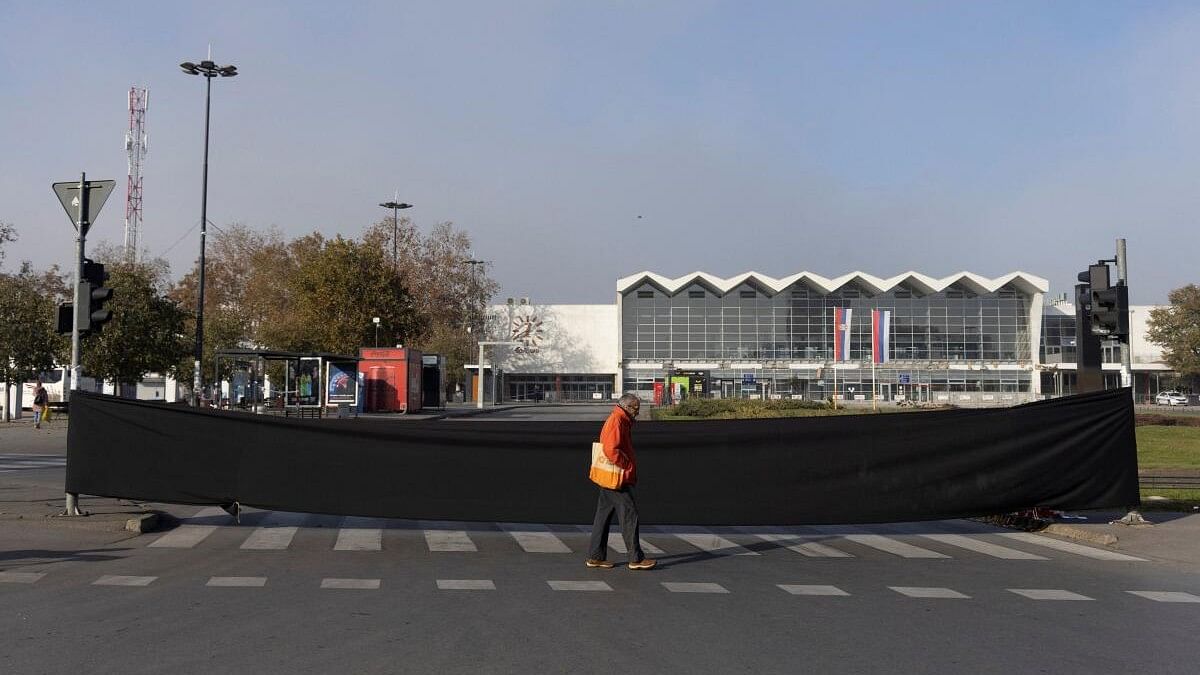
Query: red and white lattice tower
(135,145)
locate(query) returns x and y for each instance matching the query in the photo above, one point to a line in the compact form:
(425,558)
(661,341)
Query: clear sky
(583,141)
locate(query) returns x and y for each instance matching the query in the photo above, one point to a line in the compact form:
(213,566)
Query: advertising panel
(341,383)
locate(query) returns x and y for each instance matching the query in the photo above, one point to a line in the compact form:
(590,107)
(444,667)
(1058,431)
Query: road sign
(904,378)
(98,191)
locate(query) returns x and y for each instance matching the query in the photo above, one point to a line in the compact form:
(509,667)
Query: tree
(450,297)
(7,233)
(146,333)
(28,342)
(333,289)
(1177,330)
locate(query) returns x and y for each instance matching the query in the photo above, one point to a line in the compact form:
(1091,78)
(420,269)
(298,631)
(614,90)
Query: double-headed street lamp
(209,70)
(395,206)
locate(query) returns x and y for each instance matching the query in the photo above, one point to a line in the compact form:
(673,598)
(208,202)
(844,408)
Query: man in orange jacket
(617,439)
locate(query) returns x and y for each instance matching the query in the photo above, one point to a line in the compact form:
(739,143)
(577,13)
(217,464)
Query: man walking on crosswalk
(617,439)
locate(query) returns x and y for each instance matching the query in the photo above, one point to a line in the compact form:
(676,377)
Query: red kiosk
(391,379)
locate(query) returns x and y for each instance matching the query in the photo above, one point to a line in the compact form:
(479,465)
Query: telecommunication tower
(136,143)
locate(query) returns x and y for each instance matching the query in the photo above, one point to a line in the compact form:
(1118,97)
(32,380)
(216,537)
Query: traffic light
(1106,306)
(91,312)
(1110,312)
(65,318)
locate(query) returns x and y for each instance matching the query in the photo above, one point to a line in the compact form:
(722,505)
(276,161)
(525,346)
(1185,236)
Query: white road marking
(812,589)
(1048,594)
(237,582)
(21,577)
(210,512)
(811,549)
(466,585)
(535,538)
(579,586)
(270,538)
(693,587)
(924,592)
(984,547)
(118,580)
(449,540)
(709,542)
(893,546)
(616,543)
(184,536)
(1166,596)
(356,535)
(1069,547)
(358,584)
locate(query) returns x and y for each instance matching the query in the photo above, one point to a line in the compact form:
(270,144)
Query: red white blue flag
(881,328)
(841,333)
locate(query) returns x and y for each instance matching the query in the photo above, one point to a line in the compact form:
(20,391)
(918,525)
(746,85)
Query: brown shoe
(602,564)
(643,564)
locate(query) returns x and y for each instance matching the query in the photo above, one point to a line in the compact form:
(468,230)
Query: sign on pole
(68,196)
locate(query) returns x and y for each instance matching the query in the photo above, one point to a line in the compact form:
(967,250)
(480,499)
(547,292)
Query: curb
(1080,534)
(146,522)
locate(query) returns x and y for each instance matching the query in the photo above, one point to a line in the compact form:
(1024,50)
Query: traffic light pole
(81,228)
(1089,375)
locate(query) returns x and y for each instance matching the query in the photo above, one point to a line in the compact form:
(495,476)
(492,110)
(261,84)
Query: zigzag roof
(921,282)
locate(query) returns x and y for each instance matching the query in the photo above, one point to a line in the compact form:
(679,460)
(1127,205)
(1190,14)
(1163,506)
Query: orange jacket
(618,442)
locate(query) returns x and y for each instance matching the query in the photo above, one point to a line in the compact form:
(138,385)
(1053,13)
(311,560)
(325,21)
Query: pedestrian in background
(617,440)
(41,404)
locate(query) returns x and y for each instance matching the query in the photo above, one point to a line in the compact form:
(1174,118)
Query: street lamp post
(375,320)
(209,70)
(395,206)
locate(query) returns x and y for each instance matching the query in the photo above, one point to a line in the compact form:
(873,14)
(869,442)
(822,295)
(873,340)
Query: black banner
(1077,452)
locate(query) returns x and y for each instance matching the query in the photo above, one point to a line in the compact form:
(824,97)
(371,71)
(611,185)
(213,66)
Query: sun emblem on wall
(528,331)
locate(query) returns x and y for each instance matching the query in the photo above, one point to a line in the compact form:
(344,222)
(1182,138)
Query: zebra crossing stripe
(579,586)
(893,546)
(1048,594)
(20,577)
(449,540)
(926,592)
(466,585)
(711,543)
(616,543)
(270,538)
(359,539)
(535,538)
(812,589)
(1069,547)
(811,549)
(984,547)
(184,536)
(352,584)
(693,587)
(1166,596)
(119,580)
(237,582)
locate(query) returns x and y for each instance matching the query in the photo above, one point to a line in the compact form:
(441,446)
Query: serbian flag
(881,324)
(841,333)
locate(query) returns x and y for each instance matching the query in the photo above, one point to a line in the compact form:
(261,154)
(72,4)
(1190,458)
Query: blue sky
(776,137)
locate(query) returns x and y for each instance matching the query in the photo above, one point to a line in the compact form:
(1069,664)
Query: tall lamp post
(395,206)
(375,320)
(209,70)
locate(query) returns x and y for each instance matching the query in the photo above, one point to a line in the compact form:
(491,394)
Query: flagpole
(874,394)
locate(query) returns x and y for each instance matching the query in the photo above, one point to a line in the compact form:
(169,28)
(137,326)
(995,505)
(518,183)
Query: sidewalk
(1172,537)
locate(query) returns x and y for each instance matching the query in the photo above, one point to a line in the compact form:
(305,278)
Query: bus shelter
(292,384)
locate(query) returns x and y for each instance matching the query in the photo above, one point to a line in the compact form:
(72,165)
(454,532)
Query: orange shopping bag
(605,472)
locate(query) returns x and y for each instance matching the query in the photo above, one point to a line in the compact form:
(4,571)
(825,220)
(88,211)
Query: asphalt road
(287,593)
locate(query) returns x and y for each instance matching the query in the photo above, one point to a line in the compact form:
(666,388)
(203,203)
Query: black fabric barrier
(1077,452)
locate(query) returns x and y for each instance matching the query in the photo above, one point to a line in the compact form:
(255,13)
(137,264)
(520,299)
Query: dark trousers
(620,502)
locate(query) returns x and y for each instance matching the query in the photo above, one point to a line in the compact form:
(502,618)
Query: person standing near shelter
(617,441)
(41,401)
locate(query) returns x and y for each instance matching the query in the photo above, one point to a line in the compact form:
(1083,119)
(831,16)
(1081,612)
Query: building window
(695,294)
(645,294)
(748,294)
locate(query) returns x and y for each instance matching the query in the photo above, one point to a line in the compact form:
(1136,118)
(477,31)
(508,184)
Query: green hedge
(726,408)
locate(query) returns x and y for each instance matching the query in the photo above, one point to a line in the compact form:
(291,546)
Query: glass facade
(756,342)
